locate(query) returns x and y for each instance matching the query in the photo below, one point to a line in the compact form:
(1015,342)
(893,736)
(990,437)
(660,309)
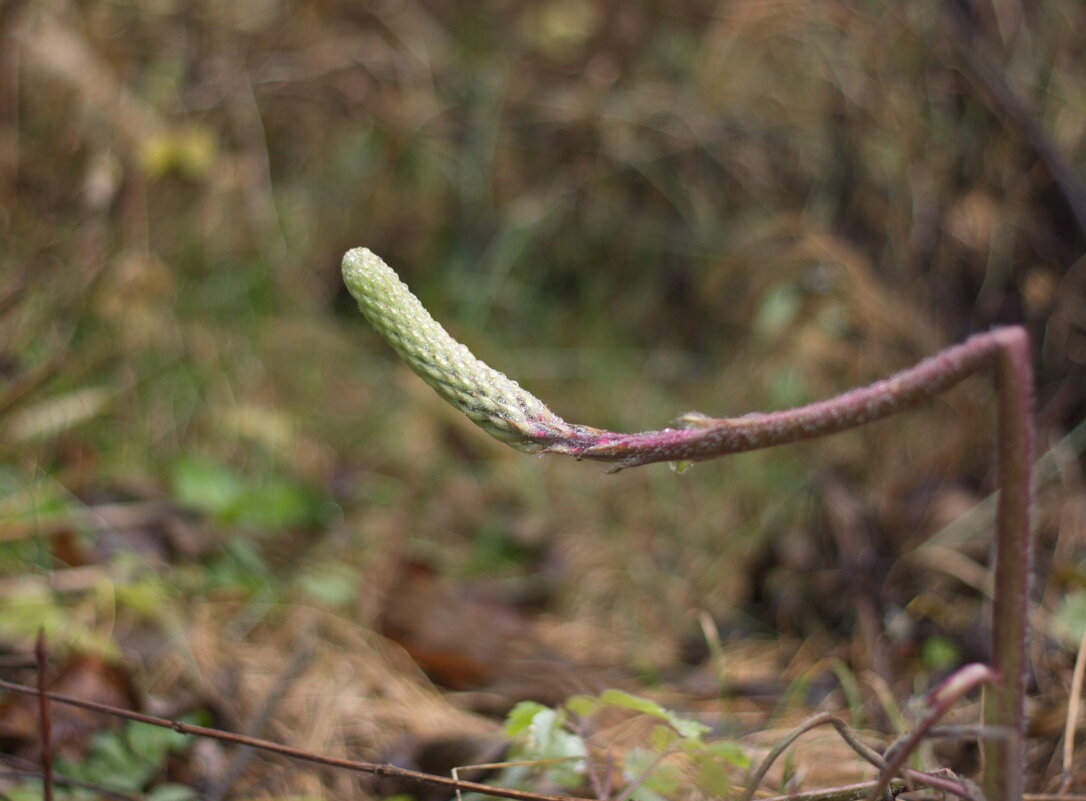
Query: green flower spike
(494,402)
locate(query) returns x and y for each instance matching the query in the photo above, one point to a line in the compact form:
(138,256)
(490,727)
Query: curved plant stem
(755,777)
(707,437)
(504,409)
(939,702)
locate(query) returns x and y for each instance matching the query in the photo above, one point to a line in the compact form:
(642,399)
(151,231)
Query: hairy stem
(502,408)
(1005,703)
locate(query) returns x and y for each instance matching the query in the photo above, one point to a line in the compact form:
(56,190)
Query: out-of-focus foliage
(655,207)
(661,750)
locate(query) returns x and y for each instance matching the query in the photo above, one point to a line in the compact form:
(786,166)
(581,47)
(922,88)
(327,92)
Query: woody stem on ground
(502,408)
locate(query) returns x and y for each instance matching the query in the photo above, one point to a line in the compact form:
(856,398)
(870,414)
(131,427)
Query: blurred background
(223,498)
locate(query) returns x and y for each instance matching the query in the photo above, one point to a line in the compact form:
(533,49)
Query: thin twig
(1073,703)
(971,732)
(377,769)
(643,776)
(848,792)
(602,788)
(242,756)
(481,767)
(864,751)
(939,702)
(41,656)
(756,777)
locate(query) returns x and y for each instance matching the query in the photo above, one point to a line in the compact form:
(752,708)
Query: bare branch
(374,768)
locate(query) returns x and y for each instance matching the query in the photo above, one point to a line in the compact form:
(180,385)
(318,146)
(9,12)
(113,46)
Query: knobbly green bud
(494,402)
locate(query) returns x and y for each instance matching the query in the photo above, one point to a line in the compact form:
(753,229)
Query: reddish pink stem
(1005,758)
(939,702)
(712,437)
(1005,351)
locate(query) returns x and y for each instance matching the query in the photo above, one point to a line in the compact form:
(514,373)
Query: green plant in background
(125,760)
(495,403)
(503,409)
(268,504)
(552,745)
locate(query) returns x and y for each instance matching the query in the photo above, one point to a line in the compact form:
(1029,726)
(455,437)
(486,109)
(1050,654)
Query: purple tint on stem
(1005,351)
(712,437)
(1005,704)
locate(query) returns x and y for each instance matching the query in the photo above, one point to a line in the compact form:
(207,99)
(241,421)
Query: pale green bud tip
(494,402)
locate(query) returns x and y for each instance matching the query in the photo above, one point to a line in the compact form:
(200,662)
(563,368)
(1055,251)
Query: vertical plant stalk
(1005,703)
(41,658)
(505,410)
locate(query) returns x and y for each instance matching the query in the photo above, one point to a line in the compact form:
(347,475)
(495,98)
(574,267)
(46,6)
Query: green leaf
(542,735)
(520,717)
(493,550)
(239,565)
(549,739)
(153,743)
(146,595)
(31,608)
(940,653)
(272,503)
(662,738)
(583,705)
(713,778)
(24,791)
(109,758)
(188,151)
(172,792)
(276,503)
(1069,620)
(628,701)
(655,778)
(335,583)
(205,484)
(685,727)
(728,750)
(779,309)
